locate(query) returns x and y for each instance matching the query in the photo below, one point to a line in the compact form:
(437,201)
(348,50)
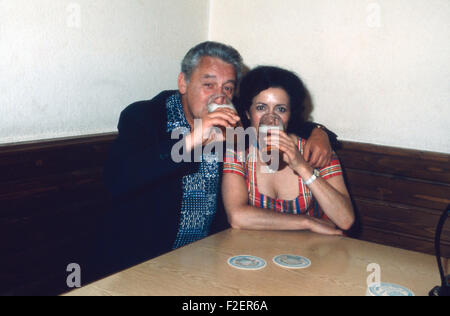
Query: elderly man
(161,205)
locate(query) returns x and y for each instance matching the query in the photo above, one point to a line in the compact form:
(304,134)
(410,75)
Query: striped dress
(304,204)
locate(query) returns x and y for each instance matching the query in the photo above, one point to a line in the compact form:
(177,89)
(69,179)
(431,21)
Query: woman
(292,198)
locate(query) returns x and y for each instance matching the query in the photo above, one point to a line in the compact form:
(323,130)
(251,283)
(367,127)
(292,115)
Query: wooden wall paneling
(399,194)
(402,190)
(403,241)
(409,163)
(52,198)
(41,159)
(409,220)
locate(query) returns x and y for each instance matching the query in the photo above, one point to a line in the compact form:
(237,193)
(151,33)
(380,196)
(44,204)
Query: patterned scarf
(199,203)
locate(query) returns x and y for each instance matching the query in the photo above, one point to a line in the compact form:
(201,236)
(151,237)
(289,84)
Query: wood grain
(416,222)
(390,188)
(396,161)
(399,194)
(339,267)
(51,200)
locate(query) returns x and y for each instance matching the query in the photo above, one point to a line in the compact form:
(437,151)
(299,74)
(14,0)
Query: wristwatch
(313,178)
(319,126)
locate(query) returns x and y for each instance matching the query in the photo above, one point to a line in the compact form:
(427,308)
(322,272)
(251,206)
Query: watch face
(316,172)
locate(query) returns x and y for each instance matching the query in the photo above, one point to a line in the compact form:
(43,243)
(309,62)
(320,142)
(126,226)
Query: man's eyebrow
(231,81)
(207,76)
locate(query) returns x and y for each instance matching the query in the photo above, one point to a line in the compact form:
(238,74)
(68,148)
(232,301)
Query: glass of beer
(270,155)
(216,102)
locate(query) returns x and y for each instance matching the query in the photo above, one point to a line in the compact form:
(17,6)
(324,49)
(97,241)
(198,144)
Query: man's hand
(318,150)
(203,131)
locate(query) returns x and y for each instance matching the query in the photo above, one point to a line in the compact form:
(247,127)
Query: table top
(339,266)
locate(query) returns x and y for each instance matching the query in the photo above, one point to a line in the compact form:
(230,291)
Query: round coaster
(388,289)
(247,262)
(292,261)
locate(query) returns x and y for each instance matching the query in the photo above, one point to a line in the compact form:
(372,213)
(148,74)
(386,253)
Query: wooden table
(339,267)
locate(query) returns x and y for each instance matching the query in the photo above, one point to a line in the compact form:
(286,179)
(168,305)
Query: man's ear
(182,83)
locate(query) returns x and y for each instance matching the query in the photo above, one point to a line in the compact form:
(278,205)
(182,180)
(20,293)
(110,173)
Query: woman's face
(272,100)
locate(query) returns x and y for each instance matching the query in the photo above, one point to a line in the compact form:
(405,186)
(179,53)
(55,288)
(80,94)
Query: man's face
(212,76)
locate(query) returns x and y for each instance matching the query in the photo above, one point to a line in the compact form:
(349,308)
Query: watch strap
(313,177)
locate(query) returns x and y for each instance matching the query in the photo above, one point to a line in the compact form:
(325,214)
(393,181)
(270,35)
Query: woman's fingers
(275,139)
(284,145)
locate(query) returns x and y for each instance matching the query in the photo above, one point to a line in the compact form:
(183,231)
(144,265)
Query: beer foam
(214,106)
(266,128)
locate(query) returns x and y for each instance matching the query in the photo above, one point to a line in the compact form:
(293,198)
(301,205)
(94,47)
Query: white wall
(69,67)
(378,71)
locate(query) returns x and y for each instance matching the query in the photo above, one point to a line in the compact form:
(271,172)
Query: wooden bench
(399,194)
(52,199)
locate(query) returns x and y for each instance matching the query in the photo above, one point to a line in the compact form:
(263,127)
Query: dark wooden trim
(54,143)
(399,194)
(404,190)
(423,165)
(52,199)
(40,159)
(399,240)
(395,151)
(413,221)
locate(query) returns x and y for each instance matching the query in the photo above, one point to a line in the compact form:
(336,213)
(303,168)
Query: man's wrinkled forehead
(213,68)
(214,78)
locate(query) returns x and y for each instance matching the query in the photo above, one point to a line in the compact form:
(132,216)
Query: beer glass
(216,102)
(270,155)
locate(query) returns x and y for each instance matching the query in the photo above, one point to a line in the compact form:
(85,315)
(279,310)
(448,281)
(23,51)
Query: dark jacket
(146,187)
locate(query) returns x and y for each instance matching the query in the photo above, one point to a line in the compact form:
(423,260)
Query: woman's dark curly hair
(265,77)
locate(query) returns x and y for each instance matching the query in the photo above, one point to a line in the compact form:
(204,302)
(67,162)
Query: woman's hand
(287,145)
(321,226)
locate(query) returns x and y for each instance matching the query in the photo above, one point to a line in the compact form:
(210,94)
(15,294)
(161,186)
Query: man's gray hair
(212,49)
